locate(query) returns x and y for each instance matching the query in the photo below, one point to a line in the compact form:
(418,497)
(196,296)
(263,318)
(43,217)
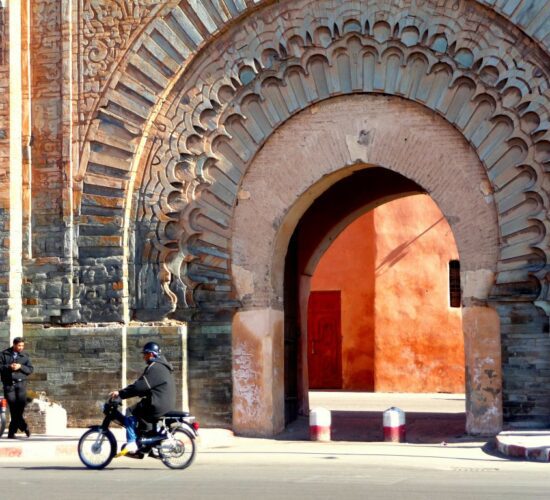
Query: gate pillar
(258,375)
(481,327)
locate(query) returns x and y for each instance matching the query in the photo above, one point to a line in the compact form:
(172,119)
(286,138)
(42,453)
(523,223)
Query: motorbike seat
(176,414)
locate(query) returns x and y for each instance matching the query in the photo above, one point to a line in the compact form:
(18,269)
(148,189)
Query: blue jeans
(130,422)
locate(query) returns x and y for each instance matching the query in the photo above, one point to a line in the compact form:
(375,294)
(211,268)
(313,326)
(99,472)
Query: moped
(172,439)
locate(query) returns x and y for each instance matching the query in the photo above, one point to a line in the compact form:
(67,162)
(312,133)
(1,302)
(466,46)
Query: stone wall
(47,292)
(47,228)
(210,385)
(116,108)
(4,164)
(77,367)
(525,365)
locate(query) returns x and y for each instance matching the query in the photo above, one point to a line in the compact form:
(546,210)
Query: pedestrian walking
(15,367)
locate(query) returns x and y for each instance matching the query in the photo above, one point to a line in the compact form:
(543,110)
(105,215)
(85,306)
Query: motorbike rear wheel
(178,452)
(96,448)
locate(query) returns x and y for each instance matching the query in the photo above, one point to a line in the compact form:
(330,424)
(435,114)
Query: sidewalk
(527,445)
(56,447)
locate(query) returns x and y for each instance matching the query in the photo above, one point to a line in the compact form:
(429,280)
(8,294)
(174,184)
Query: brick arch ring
(189,160)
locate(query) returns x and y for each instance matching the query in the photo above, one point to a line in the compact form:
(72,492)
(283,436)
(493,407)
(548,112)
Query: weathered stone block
(44,417)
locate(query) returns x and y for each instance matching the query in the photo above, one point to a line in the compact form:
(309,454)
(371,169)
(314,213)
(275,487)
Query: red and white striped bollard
(395,429)
(319,424)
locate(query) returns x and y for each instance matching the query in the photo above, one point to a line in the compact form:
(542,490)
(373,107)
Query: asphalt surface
(269,469)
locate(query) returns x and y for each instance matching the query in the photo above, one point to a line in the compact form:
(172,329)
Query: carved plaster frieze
(107,29)
(484,79)
(133,23)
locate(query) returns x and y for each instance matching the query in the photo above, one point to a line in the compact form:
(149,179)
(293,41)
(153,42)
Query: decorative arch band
(282,59)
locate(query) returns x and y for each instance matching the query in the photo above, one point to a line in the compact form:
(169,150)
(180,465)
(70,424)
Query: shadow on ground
(422,428)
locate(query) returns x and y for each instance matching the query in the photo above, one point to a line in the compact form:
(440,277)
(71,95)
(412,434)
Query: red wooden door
(324,340)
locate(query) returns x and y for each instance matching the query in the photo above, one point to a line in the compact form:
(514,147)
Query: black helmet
(151,347)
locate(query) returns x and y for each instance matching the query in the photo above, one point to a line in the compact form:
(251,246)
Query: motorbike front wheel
(179,451)
(96,448)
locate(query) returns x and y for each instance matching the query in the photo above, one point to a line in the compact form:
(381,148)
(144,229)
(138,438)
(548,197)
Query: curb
(30,451)
(11,452)
(536,453)
(50,449)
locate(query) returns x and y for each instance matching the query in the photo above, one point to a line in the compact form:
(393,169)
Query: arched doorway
(384,326)
(346,200)
(293,233)
(328,215)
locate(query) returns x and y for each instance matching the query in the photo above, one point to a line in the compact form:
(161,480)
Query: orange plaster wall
(348,266)
(398,331)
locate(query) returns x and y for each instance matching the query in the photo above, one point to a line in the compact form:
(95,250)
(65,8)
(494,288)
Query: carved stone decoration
(107,29)
(465,68)
(227,108)
(197,22)
(158,59)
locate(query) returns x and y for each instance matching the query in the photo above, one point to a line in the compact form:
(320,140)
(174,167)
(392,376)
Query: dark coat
(156,386)
(9,376)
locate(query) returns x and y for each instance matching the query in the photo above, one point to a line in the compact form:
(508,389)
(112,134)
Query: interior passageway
(384,321)
(384,309)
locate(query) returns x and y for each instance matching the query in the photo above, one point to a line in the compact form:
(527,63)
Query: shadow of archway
(366,426)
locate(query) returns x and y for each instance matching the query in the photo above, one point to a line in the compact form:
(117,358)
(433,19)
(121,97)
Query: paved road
(437,464)
(288,471)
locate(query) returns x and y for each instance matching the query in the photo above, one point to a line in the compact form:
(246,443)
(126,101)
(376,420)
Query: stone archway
(417,146)
(200,142)
(185,135)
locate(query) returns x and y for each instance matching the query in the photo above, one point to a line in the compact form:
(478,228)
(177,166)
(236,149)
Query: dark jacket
(9,376)
(156,387)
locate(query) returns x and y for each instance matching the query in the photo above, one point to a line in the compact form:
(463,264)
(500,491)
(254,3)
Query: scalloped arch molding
(203,88)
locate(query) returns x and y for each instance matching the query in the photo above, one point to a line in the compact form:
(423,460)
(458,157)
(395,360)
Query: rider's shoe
(130,450)
(131,447)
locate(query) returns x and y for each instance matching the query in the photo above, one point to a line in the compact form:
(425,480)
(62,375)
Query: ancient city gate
(206,134)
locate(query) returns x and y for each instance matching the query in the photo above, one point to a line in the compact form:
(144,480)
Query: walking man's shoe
(11,436)
(28,432)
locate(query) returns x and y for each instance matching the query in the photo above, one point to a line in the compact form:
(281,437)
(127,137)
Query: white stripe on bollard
(319,424)
(395,429)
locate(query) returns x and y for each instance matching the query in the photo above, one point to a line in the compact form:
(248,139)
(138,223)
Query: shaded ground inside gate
(358,416)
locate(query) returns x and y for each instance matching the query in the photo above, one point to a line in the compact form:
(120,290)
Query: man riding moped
(157,389)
